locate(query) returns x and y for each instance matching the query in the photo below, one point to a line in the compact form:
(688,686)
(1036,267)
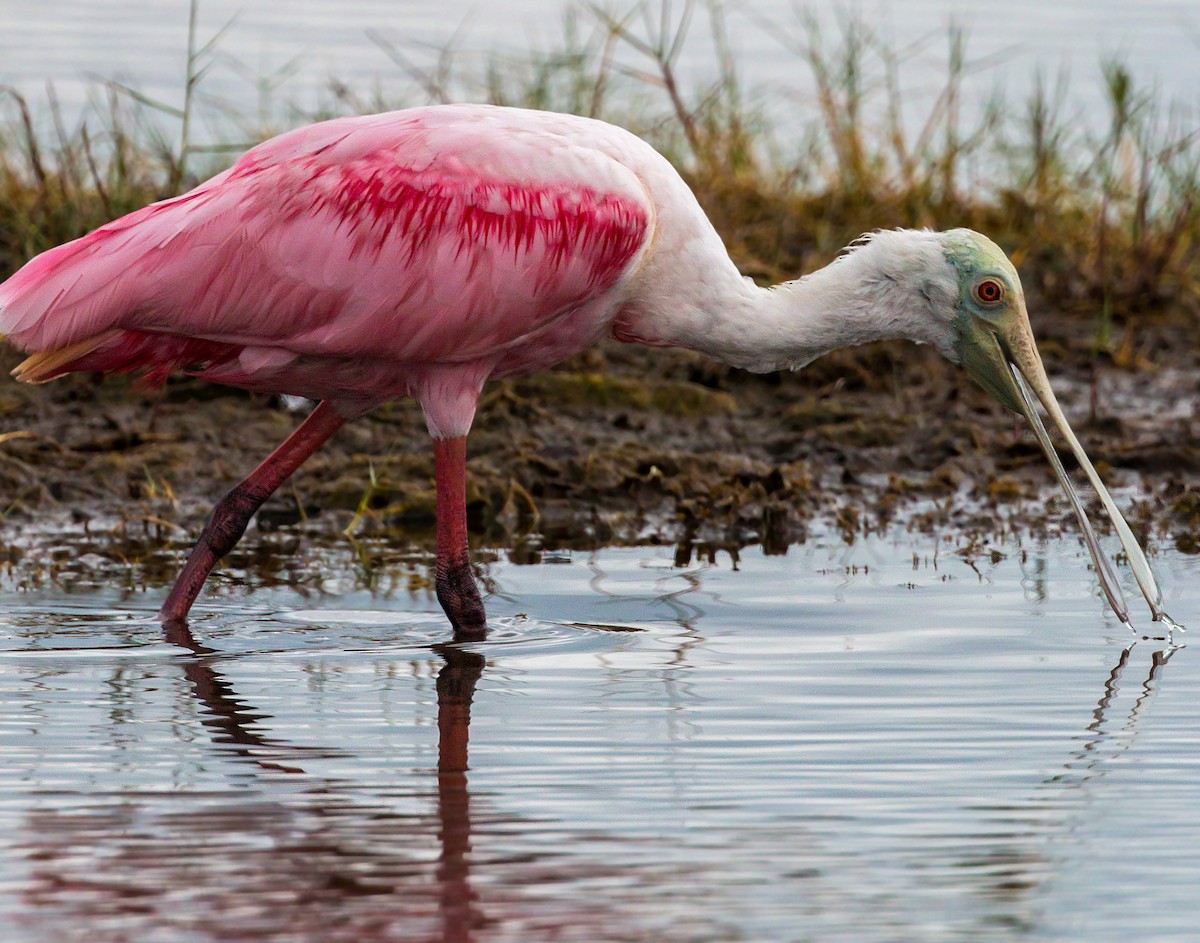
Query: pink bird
(423,252)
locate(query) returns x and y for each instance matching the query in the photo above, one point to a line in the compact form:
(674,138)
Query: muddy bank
(621,445)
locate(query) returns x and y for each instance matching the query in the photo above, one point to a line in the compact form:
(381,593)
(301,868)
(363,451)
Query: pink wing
(413,237)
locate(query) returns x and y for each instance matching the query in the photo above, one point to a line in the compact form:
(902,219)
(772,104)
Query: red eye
(989,292)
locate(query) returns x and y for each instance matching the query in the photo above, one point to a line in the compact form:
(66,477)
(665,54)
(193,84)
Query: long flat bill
(1104,568)
(1133,550)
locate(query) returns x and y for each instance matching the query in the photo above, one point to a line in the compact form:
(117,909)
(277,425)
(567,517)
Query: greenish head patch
(980,266)
(973,254)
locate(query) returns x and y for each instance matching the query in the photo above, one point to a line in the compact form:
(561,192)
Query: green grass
(1101,216)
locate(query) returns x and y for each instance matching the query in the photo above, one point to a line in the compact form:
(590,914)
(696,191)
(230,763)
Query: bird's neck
(876,292)
(792,324)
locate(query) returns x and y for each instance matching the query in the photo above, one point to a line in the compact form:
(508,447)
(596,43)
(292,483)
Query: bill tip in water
(1171,624)
(1163,619)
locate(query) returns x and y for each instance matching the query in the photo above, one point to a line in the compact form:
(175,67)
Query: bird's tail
(50,364)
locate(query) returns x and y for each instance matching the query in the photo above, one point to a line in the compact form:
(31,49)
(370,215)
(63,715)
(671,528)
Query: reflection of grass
(1102,222)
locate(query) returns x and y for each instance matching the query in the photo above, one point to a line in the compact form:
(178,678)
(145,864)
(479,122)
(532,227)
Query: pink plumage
(417,252)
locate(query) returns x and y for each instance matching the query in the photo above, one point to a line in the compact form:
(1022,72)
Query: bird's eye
(989,292)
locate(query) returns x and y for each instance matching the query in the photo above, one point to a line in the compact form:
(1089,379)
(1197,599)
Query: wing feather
(395,237)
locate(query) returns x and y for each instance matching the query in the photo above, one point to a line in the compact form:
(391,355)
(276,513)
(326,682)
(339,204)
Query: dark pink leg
(233,512)
(456,589)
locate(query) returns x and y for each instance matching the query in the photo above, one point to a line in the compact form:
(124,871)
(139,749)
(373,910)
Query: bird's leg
(233,512)
(456,589)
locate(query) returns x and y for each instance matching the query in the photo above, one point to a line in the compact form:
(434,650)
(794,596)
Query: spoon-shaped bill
(1108,578)
(1030,378)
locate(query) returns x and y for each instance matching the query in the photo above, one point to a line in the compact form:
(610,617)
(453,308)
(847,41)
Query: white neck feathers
(895,284)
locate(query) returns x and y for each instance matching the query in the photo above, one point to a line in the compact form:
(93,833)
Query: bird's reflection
(1012,872)
(232,721)
(312,851)
(455,692)
(229,719)
(1092,760)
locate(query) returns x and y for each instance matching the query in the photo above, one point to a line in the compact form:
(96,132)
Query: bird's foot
(459,596)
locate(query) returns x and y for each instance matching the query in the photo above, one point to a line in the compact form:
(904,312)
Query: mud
(621,445)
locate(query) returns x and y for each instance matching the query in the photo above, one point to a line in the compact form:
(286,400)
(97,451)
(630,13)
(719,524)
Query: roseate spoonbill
(422,252)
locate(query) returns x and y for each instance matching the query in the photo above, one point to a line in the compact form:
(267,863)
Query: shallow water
(846,743)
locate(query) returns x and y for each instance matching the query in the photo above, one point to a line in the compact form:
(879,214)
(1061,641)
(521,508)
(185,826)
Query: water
(860,744)
(284,52)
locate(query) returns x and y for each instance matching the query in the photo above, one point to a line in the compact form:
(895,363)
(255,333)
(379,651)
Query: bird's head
(990,324)
(994,344)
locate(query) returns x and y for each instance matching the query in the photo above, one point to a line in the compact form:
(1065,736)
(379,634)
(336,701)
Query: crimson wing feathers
(358,238)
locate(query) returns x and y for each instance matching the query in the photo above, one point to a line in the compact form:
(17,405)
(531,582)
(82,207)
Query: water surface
(860,743)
